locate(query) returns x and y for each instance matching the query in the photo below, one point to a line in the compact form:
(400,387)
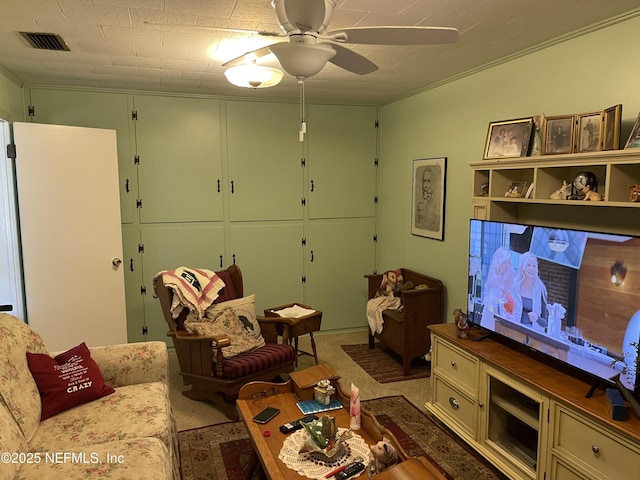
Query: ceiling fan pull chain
(303,123)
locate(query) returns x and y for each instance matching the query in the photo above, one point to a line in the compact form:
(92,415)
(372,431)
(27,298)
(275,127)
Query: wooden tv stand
(529,419)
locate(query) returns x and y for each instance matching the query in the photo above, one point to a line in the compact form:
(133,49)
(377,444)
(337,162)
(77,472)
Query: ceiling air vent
(45,41)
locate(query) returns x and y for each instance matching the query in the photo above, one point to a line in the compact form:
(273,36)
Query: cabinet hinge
(141,248)
(375,239)
(134,115)
(136,159)
(31,111)
(375,200)
(377,124)
(145,330)
(376,162)
(303,162)
(139,203)
(304,279)
(11,151)
(303,201)
(304,242)
(143,290)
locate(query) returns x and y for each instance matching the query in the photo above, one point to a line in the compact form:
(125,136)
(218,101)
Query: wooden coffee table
(267,439)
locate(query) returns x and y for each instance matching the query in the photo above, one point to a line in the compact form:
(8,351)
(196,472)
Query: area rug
(384,365)
(221,452)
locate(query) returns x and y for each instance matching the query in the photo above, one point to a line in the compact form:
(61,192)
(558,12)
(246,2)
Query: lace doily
(316,465)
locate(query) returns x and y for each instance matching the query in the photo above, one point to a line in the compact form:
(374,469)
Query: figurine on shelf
(462,325)
(634,192)
(384,455)
(591,195)
(484,189)
(563,193)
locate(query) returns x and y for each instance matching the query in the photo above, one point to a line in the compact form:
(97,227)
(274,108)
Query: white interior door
(67,180)
(11,298)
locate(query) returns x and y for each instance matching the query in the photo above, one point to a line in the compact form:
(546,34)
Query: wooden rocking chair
(202,365)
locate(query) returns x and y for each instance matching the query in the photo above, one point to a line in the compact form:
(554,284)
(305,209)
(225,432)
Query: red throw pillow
(70,379)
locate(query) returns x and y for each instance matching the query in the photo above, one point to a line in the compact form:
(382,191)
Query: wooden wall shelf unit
(529,419)
(615,170)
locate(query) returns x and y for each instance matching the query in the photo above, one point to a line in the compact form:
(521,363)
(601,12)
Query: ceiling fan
(305,22)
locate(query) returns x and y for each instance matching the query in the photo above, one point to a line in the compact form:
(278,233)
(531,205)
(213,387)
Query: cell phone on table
(265,415)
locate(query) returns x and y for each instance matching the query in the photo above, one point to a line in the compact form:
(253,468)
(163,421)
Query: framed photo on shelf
(516,190)
(558,134)
(509,138)
(634,138)
(611,128)
(529,191)
(589,132)
(428,197)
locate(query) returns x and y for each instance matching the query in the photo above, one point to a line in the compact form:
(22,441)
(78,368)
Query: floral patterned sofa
(129,434)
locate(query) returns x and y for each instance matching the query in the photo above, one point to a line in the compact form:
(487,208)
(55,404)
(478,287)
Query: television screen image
(572,295)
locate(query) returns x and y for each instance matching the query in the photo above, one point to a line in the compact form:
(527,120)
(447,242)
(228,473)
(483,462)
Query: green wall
(11,104)
(590,72)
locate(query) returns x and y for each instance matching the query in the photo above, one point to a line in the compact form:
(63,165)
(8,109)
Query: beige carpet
(191,414)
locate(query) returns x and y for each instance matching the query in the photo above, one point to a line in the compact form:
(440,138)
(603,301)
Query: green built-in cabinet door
(270,257)
(95,110)
(179,149)
(133,280)
(169,246)
(264,158)
(341,158)
(338,255)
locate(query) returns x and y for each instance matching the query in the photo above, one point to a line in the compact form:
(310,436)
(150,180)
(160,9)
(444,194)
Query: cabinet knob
(454,403)
(453,364)
(116,262)
(481,405)
(595,449)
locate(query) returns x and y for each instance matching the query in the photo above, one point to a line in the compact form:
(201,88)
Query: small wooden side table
(299,326)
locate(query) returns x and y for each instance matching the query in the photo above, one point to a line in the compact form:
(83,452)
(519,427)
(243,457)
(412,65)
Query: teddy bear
(384,455)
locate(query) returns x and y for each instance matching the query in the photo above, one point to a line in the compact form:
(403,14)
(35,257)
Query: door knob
(116,262)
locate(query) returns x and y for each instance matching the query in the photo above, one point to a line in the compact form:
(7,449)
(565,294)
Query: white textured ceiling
(112,46)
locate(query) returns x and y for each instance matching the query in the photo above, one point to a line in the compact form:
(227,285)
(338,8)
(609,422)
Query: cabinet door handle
(595,449)
(481,405)
(454,403)
(453,364)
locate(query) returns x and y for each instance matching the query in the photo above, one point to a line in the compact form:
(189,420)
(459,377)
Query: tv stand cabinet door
(579,444)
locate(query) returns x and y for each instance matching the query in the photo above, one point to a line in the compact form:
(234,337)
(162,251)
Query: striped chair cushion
(271,355)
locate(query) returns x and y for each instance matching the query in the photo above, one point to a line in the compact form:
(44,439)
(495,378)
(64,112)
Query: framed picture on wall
(611,128)
(428,197)
(509,138)
(558,134)
(589,132)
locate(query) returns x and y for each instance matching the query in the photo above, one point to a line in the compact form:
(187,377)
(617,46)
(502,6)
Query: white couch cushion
(140,458)
(17,387)
(133,411)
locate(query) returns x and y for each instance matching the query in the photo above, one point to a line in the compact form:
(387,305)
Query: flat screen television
(572,296)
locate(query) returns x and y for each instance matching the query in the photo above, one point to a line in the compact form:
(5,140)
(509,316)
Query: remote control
(351,470)
(296,425)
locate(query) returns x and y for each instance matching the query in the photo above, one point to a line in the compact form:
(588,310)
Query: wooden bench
(405,331)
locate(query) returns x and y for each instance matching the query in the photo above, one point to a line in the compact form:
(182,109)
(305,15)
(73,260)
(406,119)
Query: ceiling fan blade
(395,35)
(170,26)
(249,57)
(303,15)
(352,61)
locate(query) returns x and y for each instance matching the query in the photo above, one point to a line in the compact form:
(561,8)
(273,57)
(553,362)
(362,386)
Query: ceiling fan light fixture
(302,60)
(253,76)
